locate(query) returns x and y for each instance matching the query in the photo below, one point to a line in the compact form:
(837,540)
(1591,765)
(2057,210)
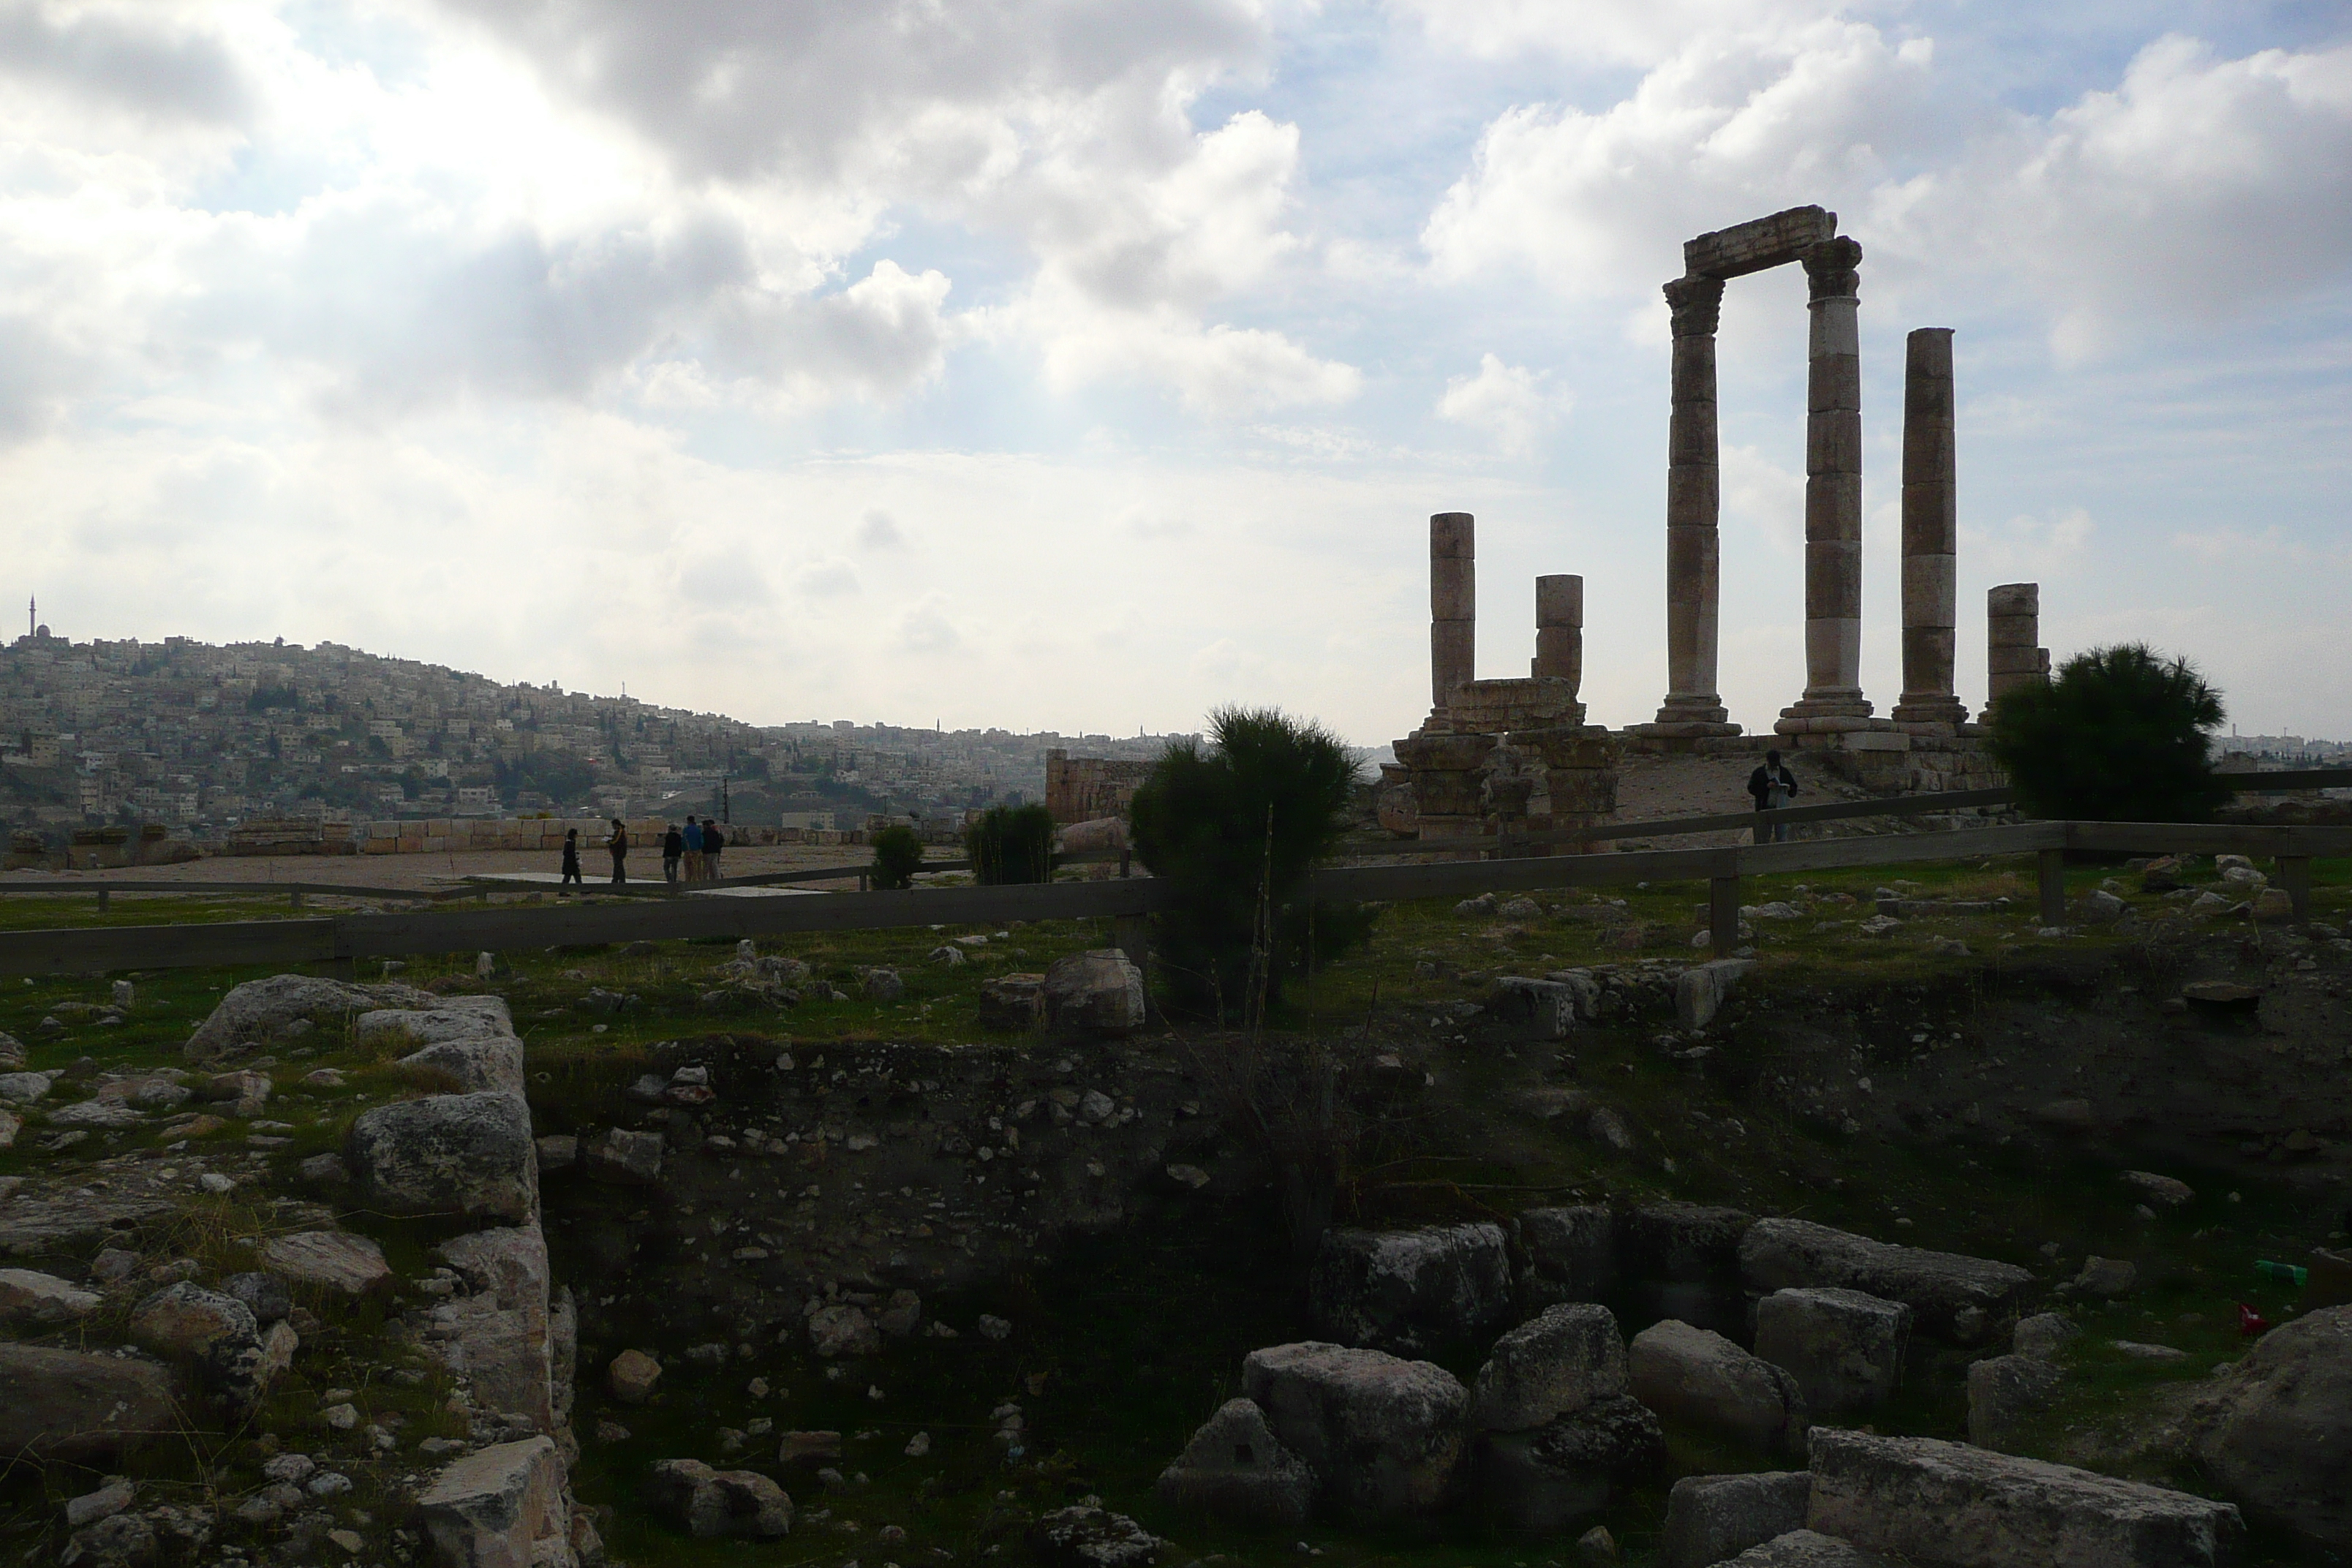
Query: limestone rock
(1808,1549)
(24,1087)
(1701,990)
(557,1152)
(499,1334)
(487,1060)
(1384,1434)
(622,1157)
(2170,1191)
(245,1092)
(1556,1365)
(1100,991)
(1549,1007)
(63,1217)
(708,1503)
(1777,1254)
(883,985)
(327,1261)
(500,1507)
(117,1494)
(1571,1254)
(1712,1518)
(1683,1261)
(118,1541)
(1092,1537)
(1540,1483)
(2278,1433)
(2107,1277)
(1962,1507)
(1845,1348)
(842,1328)
(42,1300)
(263,1294)
(260,1012)
(1013,1002)
(1237,1472)
(63,1405)
(2044,1335)
(464,1153)
(632,1377)
(1409,1291)
(2005,1393)
(187,1319)
(1695,1375)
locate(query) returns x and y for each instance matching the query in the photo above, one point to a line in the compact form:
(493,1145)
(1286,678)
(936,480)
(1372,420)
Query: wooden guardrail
(346,938)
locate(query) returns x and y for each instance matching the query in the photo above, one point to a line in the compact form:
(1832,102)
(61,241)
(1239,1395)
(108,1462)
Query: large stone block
(1410,1291)
(1947,1505)
(1712,1518)
(1571,1254)
(467,1154)
(42,1300)
(1779,1253)
(1384,1434)
(708,1503)
(1556,1365)
(1540,1483)
(1100,991)
(1696,1376)
(1809,1549)
(2005,1393)
(262,1012)
(1236,1471)
(67,1405)
(2277,1435)
(327,1261)
(501,1507)
(1843,1347)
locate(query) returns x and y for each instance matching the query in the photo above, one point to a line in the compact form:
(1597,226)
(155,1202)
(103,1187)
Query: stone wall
(459,834)
(1083,789)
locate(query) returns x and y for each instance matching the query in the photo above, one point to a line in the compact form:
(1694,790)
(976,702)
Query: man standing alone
(1773,786)
(619,845)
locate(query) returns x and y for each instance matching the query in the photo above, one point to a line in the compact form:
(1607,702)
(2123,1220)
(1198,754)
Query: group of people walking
(689,854)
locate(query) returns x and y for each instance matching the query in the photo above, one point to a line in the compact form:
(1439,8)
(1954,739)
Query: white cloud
(1511,406)
(2032,549)
(1619,32)
(879,530)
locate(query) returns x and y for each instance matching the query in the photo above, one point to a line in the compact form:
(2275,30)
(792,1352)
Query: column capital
(1698,305)
(1830,268)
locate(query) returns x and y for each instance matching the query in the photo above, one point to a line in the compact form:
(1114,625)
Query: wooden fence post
(2051,873)
(2295,876)
(1723,914)
(297,897)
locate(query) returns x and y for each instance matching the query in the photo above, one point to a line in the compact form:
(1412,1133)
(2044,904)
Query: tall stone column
(1930,534)
(1693,495)
(1833,497)
(2012,634)
(1560,630)
(1453,604)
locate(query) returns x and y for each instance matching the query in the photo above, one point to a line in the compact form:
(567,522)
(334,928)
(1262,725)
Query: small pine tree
(1011,844)
(2119,734)
(897,853)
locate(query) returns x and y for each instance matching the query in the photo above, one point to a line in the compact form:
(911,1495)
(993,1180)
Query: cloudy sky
(1083,363)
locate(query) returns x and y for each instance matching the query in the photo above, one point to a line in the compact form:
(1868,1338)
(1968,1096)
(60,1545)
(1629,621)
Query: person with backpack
(692,839)
(714,839)
(571,863)
(672,850)
(1772,787)
(619,845)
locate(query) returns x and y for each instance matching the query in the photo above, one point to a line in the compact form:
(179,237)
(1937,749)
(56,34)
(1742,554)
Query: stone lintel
(1758,244)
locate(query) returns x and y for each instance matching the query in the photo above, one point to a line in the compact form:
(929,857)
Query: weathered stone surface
(708,1503)
(448,1154)
(245,1092)
(2170,1191)
(2107,1277)
(2005,1393)
(2277,1431)
(1236,1470)
(1565,1359)
(1701,990)
(1809,1549)
(263,1294)
(1845,1348)
(24,1087)
(327,1261)
(1384,1434)
(1712,1518)
(1571,1254)
(105,1113)
(1540,1483)
(2044,1335)
(632,1377)
(1086,1537)
(843,1328)
(1778,1254)
(1955,1506)
(1013,1002)
(117,1494)
(1547,1006)
(497,1335)
(488,1061)
(1409,1291)
(187,1319)
(557,1152)
(260,1011)
(27,1297)
(64,1405)
(501,1507)
(1682,1261)
(64,1216)
(118,1541)
(622,1157)
(1100,991)
(1695,1375)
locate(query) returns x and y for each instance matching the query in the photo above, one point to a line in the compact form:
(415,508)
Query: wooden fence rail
(345,938)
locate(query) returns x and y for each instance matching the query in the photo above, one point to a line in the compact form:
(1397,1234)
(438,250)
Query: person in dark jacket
(673,848)
(693,841)
(1772,786)
(619,845)
(714,839)
(570,863)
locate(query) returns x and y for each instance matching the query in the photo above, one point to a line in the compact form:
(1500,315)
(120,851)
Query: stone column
(2012,631)
(1560,630)
(1694,492)
(1833,497)
(1930,534)
(1453,604)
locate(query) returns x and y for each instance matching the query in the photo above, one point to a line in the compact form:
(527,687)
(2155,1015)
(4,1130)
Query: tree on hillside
(2119,734)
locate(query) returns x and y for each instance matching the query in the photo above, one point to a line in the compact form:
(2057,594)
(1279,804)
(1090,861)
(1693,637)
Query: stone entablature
(1086,789)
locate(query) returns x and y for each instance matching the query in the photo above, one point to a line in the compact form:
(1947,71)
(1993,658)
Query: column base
(1823,711)
(1930,713)
(1688,715)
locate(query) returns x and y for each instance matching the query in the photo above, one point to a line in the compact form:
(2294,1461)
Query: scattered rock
(327,1259)
(883,985)
(843,1329)
(467,1153)
(2005,1393)
(264,1295)
(2167,1190)
(1100,991)
(67,1405)
(622,1157)
(42,1300)
(1235,1471)
(1384,1434)
(187,1319)
(2100,908)
(1092,1537)
(1409,1291)
(1538,1483)
(1778,1254)
(107,1501)
(1845,1348)
(1013,1002)
(120,1541)
(2277,1427)
(557,1152)
(708,1503)
(324,1171)
(1701,990)
(1547,1006)
(1697,1375)
(2108,1276)
(501,1507)
(262,1011)
(1556,1365)
(1712,1518)
(1808,1549)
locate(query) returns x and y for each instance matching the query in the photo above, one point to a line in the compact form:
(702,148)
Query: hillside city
(201,738)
